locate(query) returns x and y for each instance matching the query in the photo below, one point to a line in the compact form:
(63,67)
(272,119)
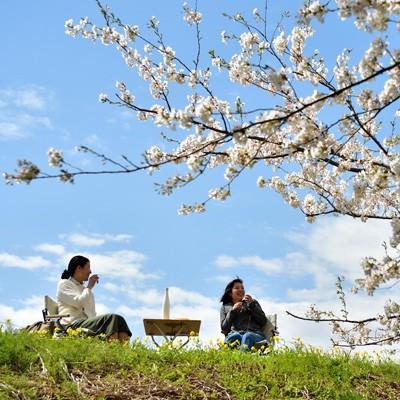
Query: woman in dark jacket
(242,318)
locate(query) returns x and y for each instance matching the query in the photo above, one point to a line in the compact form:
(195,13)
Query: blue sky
(138,244)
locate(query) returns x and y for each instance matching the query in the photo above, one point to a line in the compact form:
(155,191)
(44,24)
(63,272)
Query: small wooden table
(170,329)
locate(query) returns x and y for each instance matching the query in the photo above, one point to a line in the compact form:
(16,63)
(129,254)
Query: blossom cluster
(191,16)
(55,157)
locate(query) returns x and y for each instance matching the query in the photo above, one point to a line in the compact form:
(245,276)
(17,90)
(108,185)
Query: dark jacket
(251,318)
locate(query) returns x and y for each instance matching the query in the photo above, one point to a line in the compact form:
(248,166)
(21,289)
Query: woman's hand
(237,306)
(247,298)
(93,279)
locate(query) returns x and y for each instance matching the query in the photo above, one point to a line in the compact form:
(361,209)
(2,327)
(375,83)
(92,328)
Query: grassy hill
(35,367)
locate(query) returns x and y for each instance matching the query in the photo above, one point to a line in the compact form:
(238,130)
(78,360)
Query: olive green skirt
(105,323)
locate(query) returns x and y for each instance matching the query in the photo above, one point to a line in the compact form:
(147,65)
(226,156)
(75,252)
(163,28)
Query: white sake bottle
(165,306)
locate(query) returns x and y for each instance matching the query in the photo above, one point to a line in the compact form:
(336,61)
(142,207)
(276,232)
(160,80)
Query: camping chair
(270,329)
(51,315)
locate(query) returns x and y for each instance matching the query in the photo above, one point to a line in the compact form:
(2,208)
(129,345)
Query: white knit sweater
(74,299)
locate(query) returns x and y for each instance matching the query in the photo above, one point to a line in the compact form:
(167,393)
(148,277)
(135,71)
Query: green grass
(34,367)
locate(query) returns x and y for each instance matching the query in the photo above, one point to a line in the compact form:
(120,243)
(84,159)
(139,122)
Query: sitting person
(242,318)
(75,299)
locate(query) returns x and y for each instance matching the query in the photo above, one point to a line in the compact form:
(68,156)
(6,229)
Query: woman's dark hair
(74,263)
(227,296)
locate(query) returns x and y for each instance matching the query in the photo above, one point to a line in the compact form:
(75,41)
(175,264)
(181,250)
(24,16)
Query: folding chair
(51,315)
(270,329)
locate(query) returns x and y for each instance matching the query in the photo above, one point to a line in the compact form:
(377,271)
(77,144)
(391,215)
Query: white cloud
(21,317)
(10,129)
(31,262)
(219,278)
(117,264)
(112,287)
(17,119)
(84,240)
(92,139)
(17,125)
(334,247)
(150,297)
(57,249)
(290,328)
(138,312)
(95,239)
(343,242)
(224,261)
(28,120)
(331,247)
(181,296)
(102,308)
(264,265)
(34,301)
(126,264)
(122,237)
(30,97)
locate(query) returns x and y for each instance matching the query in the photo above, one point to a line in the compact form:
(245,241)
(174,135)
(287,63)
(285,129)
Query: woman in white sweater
(77,301)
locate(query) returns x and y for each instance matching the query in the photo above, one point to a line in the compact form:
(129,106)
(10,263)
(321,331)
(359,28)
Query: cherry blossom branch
(344,320)
(326,97)
(387,340)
